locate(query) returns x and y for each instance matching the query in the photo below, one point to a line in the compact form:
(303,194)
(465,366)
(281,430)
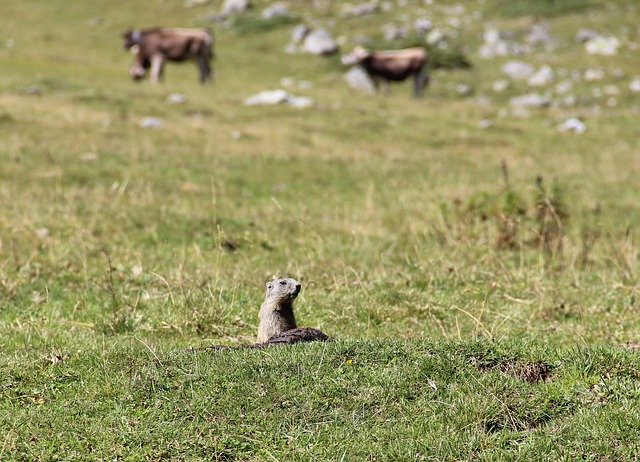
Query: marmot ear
(268,285)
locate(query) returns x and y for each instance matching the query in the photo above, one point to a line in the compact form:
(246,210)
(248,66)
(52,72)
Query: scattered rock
(357,78)
(152,122)
(584,35)
(236,135)
(272,97)
(543,77)
(464,89)
(634,85)
(500,85)
(97,21)
(319,42)
(10,43)
(42,233)
(604,46)
(485,123)
(530,100)
(363,9)
(518,70)
(393,32)
(276,10)
(612,102)
(422,26)
(540,34)
(573,125)
(593,74)
(89,156)
(235,6)
(564,87)
(299,32)
(611,90)
(33,90)
(176,98)
(435,36)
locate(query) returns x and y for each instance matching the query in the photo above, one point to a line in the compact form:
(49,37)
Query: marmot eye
(283,283)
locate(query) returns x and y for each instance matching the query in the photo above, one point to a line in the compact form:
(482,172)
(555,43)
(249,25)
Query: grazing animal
(393,65)
(277,322)
(154,47)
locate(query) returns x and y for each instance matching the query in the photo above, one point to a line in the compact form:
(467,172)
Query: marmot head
(283,289)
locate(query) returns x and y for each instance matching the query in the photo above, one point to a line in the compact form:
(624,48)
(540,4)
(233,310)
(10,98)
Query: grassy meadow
(481,282)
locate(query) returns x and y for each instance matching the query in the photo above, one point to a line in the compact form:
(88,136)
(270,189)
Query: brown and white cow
(154,47)
(393,65)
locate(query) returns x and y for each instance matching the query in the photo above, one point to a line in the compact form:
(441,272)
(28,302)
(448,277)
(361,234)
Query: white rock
(176,98)
(271,97)
(357,78)
(299,32)
(236,135)
(530,100)
(435,36)
(584,35)
(500,85)
(564,87)
(634,85)
(485,123)
(543,77)
(612,101)
(593,74)
(604,46)
(540,34)
(42,233)
(363,9)
(319,42)
(235,6)
(518,70)
(422,26)
(393,32)
(276,10)
(573,125)
(464,89)
(154,123)
(611,90)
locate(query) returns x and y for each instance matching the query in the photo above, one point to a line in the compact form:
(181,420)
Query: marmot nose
(296,289)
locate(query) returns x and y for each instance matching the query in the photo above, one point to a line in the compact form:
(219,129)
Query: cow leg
(204,67)
(421,81)
(157,68)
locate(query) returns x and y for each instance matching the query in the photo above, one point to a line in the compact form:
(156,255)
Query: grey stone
(573,125)
(604,46)
(543,77)
(584,35)
(272,97)
(319,42)
(362,9)
(299,32)
(591,75)
(393,32)
(540,34)
(500,85)
(176,98)
(276,10)
(530,100)
(357,78)
(518,70)
(152,123)
(464,89)
(422,26)
(235,6)
(435,36)
(564,87)
(634,85)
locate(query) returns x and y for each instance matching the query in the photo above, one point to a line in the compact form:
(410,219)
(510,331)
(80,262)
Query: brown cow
(153,47)
(393,65)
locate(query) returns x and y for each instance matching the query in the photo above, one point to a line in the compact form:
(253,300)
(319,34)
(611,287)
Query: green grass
(424,243)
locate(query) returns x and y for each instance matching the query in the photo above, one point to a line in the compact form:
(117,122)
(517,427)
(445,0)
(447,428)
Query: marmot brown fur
(277,321)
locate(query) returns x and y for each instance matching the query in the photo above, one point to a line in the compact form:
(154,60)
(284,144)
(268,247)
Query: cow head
(358,55)
(131,38)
